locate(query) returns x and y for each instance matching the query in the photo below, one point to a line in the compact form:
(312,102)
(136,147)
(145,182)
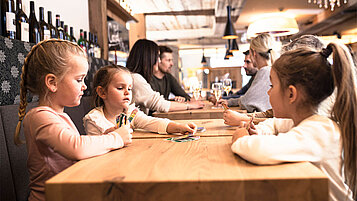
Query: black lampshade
(203,61)
(228,54)
(229,31)
(234,46)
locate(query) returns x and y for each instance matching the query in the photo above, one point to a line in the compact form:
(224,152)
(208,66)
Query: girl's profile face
(277,98)
(70,88)
(118,93)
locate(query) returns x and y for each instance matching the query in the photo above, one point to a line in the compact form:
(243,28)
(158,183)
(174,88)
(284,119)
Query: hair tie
(269,50)
(325,52)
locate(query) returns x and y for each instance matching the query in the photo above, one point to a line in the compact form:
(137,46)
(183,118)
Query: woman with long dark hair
(142,60)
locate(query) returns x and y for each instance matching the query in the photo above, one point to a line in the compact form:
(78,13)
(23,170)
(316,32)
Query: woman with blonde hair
(262,53)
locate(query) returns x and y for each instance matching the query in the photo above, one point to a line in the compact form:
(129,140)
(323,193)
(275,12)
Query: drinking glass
(196,90)
(217,90)
(227,85)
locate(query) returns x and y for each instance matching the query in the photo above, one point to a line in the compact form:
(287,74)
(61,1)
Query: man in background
(250,70)
(162,81)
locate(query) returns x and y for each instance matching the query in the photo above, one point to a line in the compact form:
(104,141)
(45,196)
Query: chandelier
(326,3)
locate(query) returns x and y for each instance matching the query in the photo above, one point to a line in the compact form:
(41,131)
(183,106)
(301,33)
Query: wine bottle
(8,18)
(66,34)
(85,40)
(90,45)
(97,50)
(72,38)
(81,41)
(22,23)
(53,30)
(45,30)
(35,29)
(59,28)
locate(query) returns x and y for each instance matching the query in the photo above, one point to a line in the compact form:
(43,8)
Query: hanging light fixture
(326,3)
(234,46)
(228,50)
(203,61)
(229,31)
(275,25)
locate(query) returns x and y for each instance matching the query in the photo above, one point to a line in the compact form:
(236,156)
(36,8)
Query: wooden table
(207,112)
(204,170)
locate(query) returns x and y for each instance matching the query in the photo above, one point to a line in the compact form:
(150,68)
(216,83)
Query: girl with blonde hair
(55,71)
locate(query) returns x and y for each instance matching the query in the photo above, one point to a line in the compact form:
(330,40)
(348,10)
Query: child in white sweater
(300,80)
(113,96)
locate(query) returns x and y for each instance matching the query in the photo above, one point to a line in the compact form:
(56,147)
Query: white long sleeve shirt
(315,139)
(146,98)
(95,122)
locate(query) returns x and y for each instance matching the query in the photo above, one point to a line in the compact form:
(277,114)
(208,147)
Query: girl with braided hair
(300,80)
(55,71)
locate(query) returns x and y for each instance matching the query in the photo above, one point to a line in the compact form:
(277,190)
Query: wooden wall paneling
(98,23)
(137,30)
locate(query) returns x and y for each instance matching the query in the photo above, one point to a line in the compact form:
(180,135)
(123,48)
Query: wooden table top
(206,169)
(214,127)
(207,112)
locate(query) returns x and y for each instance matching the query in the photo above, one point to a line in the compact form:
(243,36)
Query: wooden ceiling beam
(185,12)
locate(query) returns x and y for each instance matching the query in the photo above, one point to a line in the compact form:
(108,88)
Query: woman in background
(143,58)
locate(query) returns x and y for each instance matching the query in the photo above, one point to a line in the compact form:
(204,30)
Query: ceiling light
(229,31)
(234,46)
(203,61)
(274,25)
(327,3)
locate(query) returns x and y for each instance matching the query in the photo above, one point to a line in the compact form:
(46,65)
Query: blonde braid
(23,95)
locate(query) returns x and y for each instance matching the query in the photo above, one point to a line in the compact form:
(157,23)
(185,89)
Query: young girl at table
(55,71)
(112,91)
(300,80)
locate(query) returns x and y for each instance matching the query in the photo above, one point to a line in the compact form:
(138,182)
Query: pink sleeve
(59,133)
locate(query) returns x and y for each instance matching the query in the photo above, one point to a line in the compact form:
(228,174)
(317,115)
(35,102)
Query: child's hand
(240,132)
(125,133)
(234,118)
(251,128)
(174,127)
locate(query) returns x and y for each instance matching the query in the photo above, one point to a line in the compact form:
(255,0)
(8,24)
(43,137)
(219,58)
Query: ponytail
(344,109)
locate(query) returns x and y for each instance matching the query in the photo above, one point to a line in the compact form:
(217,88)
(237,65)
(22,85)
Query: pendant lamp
(234,46)
(229,31)
(203,61)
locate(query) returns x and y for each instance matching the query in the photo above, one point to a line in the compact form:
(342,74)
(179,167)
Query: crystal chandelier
(326,3)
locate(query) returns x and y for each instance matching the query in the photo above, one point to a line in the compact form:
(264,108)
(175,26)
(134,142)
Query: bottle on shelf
(97,50)
(8,18)
(91,45)
(81,41)
(72,38)
(66,35)
(59,28)
(35,29)
(22,23)
(53,30)
(45,30)
(85,40)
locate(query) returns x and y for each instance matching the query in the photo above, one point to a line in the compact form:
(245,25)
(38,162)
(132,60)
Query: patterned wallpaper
(12,56)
